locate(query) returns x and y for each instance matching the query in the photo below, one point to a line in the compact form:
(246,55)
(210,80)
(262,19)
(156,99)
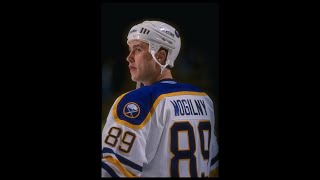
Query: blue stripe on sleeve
(109,170)
(214,160)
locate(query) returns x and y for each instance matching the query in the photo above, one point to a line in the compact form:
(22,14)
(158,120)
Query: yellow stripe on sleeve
(214,173)
(123,170)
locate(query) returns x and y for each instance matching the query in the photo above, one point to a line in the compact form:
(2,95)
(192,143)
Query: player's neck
(165,75)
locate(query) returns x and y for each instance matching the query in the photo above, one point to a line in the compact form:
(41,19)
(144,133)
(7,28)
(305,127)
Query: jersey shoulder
(132,109)
(135,108)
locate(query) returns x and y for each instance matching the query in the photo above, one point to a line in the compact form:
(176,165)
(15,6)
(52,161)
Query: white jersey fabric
(162,130)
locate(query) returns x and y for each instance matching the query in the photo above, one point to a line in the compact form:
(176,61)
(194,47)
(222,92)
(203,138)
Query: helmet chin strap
(138,85)
(161,66)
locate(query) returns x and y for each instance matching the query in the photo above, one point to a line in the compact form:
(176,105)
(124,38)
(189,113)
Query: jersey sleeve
(125,136)
(213,164)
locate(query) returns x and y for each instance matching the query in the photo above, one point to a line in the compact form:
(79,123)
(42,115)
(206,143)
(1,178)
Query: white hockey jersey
(162,130)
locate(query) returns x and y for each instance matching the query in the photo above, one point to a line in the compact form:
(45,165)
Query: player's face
(141,64)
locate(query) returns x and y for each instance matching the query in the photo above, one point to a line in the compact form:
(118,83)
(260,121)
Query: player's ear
(161,56)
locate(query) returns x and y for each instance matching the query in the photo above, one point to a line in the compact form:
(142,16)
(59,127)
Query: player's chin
(134,78)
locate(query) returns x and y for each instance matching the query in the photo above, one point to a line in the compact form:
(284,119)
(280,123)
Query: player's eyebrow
(135,46)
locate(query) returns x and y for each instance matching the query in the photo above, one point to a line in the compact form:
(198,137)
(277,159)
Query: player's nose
(130,58)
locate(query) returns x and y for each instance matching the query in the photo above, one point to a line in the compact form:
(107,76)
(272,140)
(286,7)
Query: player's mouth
(132,68)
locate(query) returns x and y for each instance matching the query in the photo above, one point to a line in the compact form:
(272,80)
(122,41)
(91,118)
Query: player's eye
(135,50)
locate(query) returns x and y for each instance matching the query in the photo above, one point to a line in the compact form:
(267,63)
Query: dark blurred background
(197,62)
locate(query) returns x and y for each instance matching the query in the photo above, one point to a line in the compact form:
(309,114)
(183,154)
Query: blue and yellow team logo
(131,110)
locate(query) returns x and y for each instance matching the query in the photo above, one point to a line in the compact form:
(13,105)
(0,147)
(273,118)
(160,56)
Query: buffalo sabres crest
(131,110)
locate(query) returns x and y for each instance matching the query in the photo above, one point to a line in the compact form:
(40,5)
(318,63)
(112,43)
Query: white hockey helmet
(157,34)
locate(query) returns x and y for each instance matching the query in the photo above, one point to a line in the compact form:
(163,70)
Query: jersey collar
(167,81)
